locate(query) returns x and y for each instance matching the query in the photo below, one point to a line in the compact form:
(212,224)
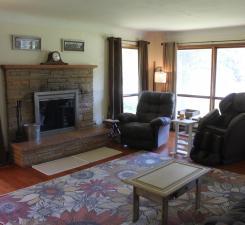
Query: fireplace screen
(55,110)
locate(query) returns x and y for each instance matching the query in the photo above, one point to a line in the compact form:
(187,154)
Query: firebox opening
(56,110)
(57,114)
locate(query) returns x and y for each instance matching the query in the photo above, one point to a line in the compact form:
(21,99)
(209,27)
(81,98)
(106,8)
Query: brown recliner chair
(220,138)
(149,127)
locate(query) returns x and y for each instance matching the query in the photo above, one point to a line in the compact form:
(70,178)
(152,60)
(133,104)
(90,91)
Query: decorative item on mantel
(72,45)
(54,58)
(21,42)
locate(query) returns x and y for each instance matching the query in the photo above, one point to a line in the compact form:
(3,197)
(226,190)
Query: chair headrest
(154,104)
(226,104)
(234,102)
(157,97)
(239,102)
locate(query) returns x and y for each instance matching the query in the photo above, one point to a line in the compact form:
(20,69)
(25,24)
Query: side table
(183,140)
(113,125)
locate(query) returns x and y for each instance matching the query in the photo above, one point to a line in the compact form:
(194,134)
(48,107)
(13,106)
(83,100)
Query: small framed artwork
(26,42)
(72,45)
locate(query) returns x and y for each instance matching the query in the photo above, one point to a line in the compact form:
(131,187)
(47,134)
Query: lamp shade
(160,77)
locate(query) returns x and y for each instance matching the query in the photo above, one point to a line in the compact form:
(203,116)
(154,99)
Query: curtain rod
(129,41)
(135,41)
(202,42)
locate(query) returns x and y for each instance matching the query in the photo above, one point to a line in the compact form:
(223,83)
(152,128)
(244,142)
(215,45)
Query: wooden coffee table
(166,182)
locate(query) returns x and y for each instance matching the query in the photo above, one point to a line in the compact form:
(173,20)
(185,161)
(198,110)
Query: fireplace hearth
(71,88)
(56,110)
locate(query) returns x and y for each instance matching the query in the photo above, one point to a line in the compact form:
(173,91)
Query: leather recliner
(149,127)
(220,137)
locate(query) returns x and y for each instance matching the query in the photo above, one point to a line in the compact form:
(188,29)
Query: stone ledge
(59,145)
(44,67)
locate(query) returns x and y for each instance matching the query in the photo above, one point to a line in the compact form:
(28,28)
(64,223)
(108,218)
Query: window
(206,74)
(193,79)
(230,75)
(130,79)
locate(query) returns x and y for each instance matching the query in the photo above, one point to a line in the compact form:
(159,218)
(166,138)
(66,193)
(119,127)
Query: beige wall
(155,53)
(51,31)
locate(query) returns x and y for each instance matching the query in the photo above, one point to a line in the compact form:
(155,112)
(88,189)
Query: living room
(189,26)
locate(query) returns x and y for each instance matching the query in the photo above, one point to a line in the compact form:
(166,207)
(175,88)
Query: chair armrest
(234,140)
(236,120)
(127,117)
(236,125)
(211,118)
(160,121)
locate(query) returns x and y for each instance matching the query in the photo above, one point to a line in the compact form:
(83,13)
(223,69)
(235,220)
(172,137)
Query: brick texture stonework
(58,146)
(21,81)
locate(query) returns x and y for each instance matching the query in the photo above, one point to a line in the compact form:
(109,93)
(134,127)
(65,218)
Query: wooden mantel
(46,67)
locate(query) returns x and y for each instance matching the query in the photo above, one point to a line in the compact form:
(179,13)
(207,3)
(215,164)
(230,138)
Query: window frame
(214,48)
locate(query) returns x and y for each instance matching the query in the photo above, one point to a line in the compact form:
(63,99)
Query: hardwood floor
(13,177)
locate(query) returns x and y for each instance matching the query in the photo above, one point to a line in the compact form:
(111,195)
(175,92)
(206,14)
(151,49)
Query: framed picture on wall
(72,45)
(26,42)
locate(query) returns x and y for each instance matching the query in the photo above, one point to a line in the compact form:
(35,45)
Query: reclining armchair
(149,127)
(220,138)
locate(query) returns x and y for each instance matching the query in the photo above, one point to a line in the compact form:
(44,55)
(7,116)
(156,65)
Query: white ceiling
(159,15)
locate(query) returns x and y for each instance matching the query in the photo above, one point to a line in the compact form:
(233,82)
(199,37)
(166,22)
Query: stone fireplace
(57,110)
(25,81)
(62,94)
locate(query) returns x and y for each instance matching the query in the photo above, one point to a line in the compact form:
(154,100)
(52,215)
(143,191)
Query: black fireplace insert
(56,110)
(57,114)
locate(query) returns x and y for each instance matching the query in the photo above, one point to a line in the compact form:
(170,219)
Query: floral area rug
(97,196)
